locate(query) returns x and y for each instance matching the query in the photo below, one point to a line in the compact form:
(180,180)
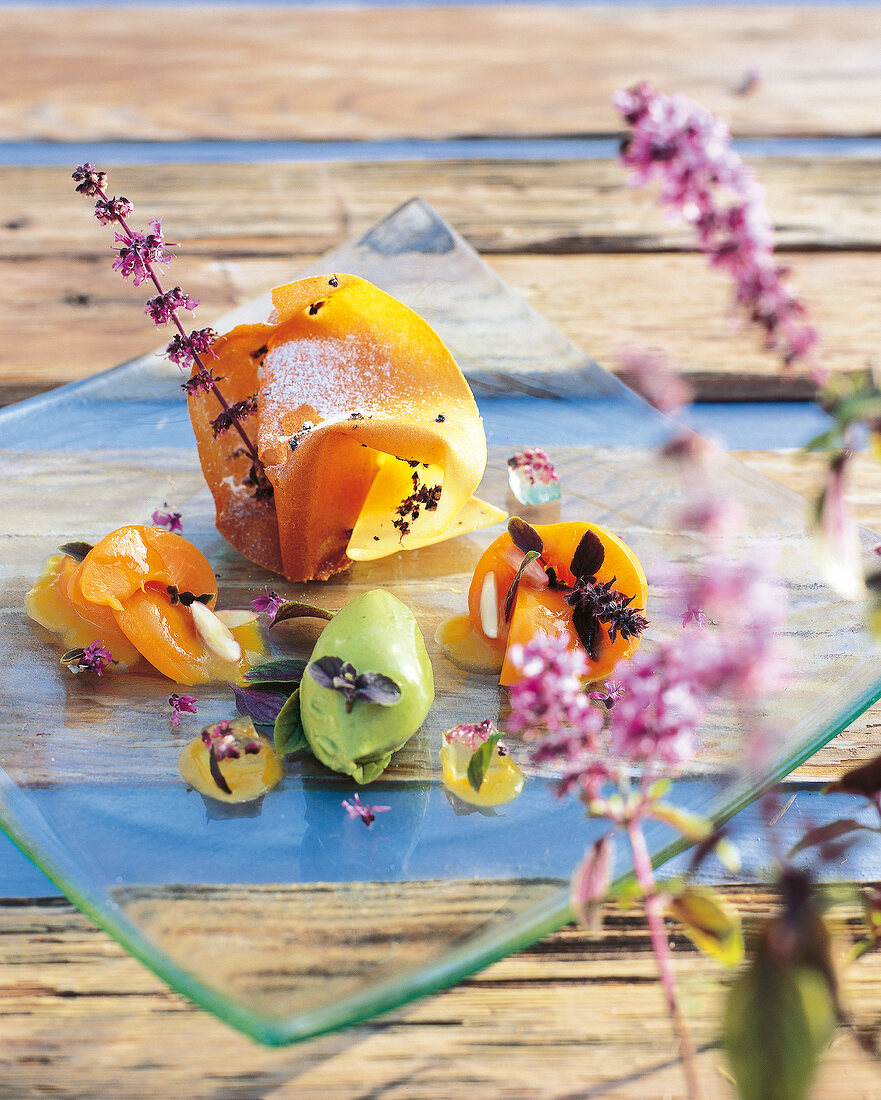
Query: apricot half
(126,593)
(540,607)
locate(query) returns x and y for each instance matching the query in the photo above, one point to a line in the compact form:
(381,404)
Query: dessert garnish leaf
(588,556)
(75,550)
(529,557)
(216,774)
(587,627)
(294,609)
(288,734)
(261,706)
(188,598)
(524,536)
(480,761)
(865,779)
(280,670)
(342,676)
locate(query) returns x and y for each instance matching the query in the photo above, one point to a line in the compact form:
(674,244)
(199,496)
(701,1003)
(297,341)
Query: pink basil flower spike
(549,694)
(181,704)
(591,882)
(171,521)
(648,372)
(270,603)
(683,147)
(140,251)
(357,808)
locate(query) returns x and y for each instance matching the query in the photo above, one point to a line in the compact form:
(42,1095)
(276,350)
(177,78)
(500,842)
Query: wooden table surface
(264,136)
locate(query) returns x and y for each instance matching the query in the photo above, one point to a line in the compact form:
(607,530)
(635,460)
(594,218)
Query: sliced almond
(489,606)
(215,634)
(236,617)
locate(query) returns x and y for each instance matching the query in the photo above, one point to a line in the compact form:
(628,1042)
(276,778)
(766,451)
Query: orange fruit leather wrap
(351,376)
(246,523)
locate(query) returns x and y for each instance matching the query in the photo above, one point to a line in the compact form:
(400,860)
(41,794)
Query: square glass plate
(285,918)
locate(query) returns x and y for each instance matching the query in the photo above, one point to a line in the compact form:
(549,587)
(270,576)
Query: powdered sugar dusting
(336,376)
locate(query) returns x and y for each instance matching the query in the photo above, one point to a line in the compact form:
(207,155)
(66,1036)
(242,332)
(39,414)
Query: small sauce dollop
(247,764)
(502,782)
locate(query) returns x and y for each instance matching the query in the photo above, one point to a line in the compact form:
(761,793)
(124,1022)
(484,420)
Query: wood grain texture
(225,211)
(590,254)
(601,302)
(573,1016)
(426,72)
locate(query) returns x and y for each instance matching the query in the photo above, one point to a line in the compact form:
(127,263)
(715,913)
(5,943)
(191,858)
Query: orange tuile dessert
(145,593)
(366,429)
(571,579)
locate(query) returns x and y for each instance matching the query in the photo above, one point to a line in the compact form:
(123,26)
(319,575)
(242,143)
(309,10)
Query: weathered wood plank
(601,302)
(425,72)
(573,1016)
(279,211)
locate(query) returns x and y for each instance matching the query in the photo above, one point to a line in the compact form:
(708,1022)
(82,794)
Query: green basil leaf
(480,761)
(289,735)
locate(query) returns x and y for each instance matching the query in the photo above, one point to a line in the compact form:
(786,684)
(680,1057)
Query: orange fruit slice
(539,610)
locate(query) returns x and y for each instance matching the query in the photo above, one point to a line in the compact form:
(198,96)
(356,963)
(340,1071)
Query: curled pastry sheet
(366,427)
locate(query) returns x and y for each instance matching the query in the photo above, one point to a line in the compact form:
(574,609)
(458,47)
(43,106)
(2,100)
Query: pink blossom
(471,734)
(170,520)
(694,615)
(663,708)
(270,603)
(112,210)
(591,882)
(89,179)
(184,349)
(163,307)
(94,658)
(611,693)
(357,808)
(140,251)
(549,694)
(181,704)
(682,146)
(713,515)
(649,374)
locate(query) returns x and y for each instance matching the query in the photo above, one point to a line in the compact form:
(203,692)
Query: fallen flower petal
(357,808)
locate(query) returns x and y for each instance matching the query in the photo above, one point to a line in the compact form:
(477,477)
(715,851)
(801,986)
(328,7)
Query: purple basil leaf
(587,628)
(76,550)
(865,779)
(376,688)
(588,557)
(262,706)
(216,774)
(480,761)
(824,834)
(289,735)
(293,609)
(284,669)
(524,536)
(325,671)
